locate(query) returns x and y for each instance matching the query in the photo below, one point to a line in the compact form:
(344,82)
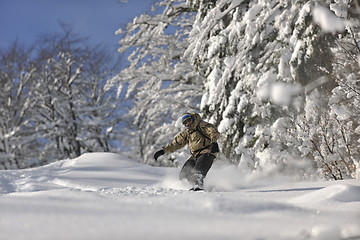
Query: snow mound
(338,193)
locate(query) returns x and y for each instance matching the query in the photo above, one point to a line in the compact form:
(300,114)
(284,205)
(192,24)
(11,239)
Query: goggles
(187,121)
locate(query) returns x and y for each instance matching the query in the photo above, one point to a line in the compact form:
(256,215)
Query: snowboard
(196,189)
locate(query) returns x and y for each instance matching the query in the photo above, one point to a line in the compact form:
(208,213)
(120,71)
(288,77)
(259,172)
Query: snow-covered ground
(107,196)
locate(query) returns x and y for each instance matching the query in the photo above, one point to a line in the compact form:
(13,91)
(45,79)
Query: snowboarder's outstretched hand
(214,147)
(158,154)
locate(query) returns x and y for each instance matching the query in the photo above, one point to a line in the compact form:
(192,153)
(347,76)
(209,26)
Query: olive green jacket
(199,142)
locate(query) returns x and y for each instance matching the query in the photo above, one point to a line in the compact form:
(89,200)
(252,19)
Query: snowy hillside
(107,196)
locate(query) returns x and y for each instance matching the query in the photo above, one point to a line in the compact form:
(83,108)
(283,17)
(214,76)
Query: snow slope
(107,196)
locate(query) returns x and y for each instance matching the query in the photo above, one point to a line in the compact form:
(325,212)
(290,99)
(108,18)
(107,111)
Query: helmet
(185,116)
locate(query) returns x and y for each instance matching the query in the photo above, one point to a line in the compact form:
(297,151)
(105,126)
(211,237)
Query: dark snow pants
(195,169)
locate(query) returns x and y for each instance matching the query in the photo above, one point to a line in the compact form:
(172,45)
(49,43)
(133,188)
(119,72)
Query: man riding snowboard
(201,137)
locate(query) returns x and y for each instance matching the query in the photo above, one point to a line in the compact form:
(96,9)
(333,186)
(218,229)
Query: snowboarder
(201,137)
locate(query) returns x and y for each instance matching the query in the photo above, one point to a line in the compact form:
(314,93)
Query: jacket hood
(196,119)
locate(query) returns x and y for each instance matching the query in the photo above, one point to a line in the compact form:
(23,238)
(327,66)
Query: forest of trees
(280,80)
(53,103)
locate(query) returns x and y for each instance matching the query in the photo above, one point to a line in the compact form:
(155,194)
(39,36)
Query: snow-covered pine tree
(344,103)
(263,64)
(256,56)
(326,131)
(161,83)
(330,121)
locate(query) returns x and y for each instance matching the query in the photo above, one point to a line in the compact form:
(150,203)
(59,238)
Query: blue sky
(98,19)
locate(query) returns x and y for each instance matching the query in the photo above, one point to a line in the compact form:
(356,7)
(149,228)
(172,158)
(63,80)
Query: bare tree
(17,73)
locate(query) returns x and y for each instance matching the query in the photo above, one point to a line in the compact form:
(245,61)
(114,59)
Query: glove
(214,147)
(158,154)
